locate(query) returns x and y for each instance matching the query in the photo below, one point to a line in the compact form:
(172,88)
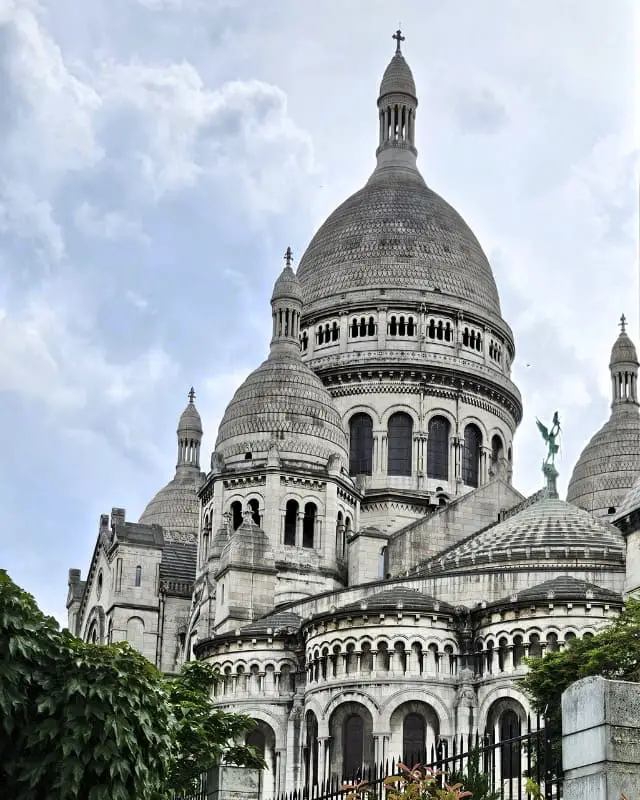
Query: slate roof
(179,561)
(566,587)
(278,624)
(396,599)
(550,529)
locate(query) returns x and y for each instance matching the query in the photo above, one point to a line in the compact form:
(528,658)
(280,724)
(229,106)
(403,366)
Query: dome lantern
(397,104)
(189,436)
(286,308)
(624,371)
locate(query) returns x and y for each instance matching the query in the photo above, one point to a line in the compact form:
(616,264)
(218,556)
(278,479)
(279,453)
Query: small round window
(99,584)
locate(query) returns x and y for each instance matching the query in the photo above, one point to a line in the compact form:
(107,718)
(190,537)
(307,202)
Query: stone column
(601,740)
(382,327)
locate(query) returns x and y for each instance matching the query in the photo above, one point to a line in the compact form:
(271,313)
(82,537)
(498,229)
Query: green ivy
(81,721)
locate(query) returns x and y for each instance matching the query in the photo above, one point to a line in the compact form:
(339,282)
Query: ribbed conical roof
(623,351)
(190,418)
(398,77)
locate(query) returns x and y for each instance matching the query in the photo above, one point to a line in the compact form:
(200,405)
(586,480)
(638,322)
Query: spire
(397,104)
(286,305)
(189,436)
(624,371)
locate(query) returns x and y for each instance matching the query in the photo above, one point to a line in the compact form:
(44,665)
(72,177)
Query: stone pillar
(601,740)
(382,327)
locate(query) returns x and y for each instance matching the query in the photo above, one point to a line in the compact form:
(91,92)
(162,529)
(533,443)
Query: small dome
(608,465)
(287,287)
(282,403)
(564,587)
(631,500)
(398,77)
(398,598)
(176,506)
(190,418)
(550,529)
(623,351)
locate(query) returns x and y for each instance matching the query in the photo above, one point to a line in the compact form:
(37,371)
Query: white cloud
(112,225)
(47,354)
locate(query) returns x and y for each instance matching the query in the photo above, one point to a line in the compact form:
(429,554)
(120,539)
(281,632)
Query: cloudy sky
(157,157)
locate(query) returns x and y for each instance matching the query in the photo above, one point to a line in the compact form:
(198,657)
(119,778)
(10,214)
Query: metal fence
(506,765)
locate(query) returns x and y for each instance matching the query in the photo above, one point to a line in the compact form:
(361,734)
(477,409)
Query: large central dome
(396,233)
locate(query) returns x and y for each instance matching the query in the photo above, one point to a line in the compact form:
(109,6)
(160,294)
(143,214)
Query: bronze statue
(550,437)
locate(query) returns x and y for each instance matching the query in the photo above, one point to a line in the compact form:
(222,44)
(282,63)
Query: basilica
(355,560)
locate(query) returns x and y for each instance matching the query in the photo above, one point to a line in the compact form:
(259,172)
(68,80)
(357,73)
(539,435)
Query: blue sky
(157,157)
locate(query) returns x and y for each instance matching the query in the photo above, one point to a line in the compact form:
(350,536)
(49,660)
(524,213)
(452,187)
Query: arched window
(371,327)
(360,444)
(410,327)
(393,327)
(400,442)
(382,562)
(312,748)
(254,508)
(414,737)
(353,746)
(510,751)
(257,739)
(138,575)
(438,448)
(290,522)
(354,327)
(335,332)
(236,514)
(471,455)
(497,449)
(340,535)
(308,525)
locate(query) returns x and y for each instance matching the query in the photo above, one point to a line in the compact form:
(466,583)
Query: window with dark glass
(399,443)
(290,522)
(258,740)
(308,525)
(360,444)
(254,508)
(312,747)
(497,449)
(471,455)
(138,576)
(438,448)
(510,752)
(353,745)
(414,736)
(236,514)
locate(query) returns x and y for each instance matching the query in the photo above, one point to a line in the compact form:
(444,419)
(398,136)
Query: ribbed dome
(283,403)
(549,529)
(608,465)
(287,287)
(190,420)
(398,77)
(396,233)
(623,351)
(176,506)
(631,500)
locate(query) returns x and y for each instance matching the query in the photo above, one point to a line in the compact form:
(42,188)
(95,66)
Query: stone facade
(356,563)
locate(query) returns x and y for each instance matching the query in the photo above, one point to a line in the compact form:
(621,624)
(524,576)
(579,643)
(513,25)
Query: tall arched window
(360,444)
(471,455)
(312,748)
(290,522)
(308,525)
(236,514)
(438,448)
(254,508)
(510,752)
(414,737)
(497,449)
(138,575)
(400,443)
(353,746)
(340,535)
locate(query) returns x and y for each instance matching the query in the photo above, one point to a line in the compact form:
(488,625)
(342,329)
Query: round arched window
(99,584)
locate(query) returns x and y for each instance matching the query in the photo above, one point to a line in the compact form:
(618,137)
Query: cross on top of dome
(191,395)
(623,323)
(288,257)
(399,38)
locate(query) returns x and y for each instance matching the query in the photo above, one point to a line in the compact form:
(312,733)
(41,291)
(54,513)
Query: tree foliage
(613,653)
(80,720)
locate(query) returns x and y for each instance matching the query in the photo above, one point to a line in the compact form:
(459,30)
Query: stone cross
(623,323)
(191,395)
(399,38)
(288,257)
